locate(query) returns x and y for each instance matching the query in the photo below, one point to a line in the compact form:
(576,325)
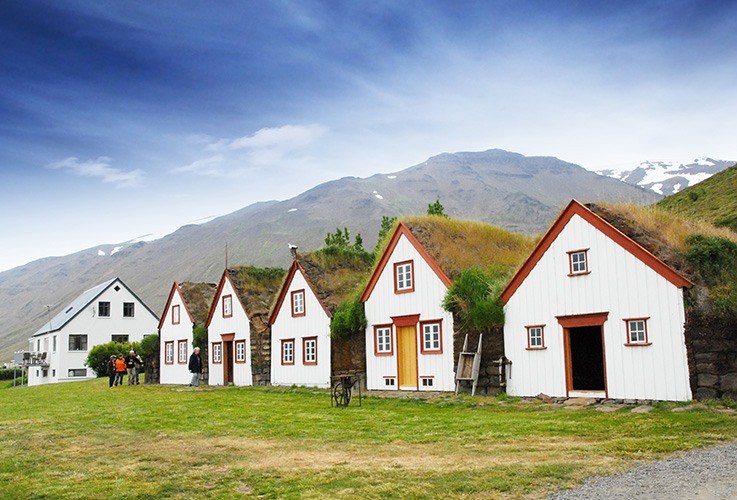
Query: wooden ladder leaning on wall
(468,365)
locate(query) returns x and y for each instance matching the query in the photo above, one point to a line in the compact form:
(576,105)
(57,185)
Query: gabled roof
(197,298)
(293,269)
(332,277)
(450,246)
(254,288)
(627,243)
(80,303)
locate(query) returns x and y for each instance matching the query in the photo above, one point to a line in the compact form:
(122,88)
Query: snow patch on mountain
(669,177)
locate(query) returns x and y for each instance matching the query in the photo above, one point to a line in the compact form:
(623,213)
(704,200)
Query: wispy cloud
(100,168)
(271,146)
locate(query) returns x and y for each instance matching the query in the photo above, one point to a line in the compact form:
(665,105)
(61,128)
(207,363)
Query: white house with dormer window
(109,312)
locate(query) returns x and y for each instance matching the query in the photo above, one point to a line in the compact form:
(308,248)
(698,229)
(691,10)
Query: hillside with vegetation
(713,200)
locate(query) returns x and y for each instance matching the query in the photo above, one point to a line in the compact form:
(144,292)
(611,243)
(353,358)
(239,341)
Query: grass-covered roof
(256,287)
(199,297)
(457,245)
(665,234)
(336,274)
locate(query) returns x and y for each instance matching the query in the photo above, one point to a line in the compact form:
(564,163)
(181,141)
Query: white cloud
(236,157)
(100,168)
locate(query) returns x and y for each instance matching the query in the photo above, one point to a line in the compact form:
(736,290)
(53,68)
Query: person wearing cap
(131,364)
(195,367)
(111,369)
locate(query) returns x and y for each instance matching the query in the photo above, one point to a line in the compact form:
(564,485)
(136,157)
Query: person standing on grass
(131,363)
(139,365)
(195,366)
(119,370)
(111,369)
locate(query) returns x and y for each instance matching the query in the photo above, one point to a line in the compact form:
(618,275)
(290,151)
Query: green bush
(474,298)
(7,373)
(100,354)
(148,347)
(715,259)
(349,319)
(199,337)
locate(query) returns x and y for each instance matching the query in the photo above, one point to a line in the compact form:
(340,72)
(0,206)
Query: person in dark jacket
(111,369)
(132,362)
(195,367)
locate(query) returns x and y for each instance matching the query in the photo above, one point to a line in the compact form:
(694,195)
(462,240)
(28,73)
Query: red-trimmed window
(287,351)
(383,340)
(432,337)
(578,262)
(240,351)
(637,331)
(428,381)
(217,352)
(298,303)
(309,351)
(535,337)
(390,381)
(182,350)
(175,315)
(169,352)
(404,279)
(227,306)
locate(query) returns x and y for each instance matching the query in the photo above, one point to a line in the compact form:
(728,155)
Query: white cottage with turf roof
(411,342)
(300,333)
(107,312)
(186,307)
(592,313)
(228,328)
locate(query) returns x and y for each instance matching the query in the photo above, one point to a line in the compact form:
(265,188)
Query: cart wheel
(339,394)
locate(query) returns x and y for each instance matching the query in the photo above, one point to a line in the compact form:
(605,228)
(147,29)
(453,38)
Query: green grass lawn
(86,440)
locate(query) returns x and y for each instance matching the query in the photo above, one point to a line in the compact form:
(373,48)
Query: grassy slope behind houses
(713,200)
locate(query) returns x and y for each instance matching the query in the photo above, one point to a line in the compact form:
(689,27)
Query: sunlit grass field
(86,440)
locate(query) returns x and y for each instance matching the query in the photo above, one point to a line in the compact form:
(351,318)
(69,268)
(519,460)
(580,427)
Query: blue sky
(119,119)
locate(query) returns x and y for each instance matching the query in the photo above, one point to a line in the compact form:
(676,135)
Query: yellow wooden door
(407,356)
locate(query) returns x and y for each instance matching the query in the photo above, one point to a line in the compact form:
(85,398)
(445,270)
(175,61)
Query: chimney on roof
(293,250)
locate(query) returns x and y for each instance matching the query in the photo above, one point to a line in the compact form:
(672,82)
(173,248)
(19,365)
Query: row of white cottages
(590,313)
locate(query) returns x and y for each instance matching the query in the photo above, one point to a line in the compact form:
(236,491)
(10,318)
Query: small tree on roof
(436,208)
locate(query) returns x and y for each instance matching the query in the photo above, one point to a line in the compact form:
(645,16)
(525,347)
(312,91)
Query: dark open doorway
(586,359)
(228,362)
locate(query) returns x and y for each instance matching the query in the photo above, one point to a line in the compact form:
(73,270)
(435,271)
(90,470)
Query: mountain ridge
(516,192)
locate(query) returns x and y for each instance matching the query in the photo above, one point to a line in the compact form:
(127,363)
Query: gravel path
(709,473)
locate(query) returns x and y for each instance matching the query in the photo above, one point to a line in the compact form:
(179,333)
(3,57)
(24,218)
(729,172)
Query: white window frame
(86,342)
(169,352)
(309,351)
(182,359)
(578,261)
(298,303)
(287,352)
(240,351)
(432,338)
(642,336)
(383,340)
(404,279)
(535,337)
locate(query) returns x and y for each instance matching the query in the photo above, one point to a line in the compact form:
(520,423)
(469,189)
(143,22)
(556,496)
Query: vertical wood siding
(175,373)
(219,326)
(426,301)
(314,323)
(619,284)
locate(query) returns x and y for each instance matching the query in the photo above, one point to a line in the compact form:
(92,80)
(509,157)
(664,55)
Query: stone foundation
(711,342)
(492,348)
(260,349)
